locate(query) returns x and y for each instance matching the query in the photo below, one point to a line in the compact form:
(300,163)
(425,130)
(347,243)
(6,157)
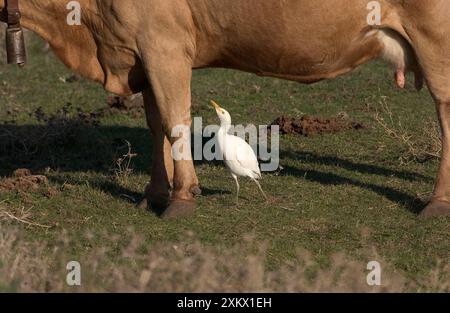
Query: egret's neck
(225,126)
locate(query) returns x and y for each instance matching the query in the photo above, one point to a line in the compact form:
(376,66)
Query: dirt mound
(309,125)
(133,106)
(23,180)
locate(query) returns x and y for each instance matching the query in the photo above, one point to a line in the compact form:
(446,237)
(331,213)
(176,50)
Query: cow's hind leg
(440,202)
(432,55)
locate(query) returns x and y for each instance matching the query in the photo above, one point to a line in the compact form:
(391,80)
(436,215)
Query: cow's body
(305,41)
(153,45)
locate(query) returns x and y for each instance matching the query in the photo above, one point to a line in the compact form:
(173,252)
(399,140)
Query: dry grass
(26,267)
(419,146)
(123,168)
(20,215)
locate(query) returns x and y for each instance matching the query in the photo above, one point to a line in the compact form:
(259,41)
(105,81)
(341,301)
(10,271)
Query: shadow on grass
(362,168)
(213,192)
(94,149)
(81,149)
(408,201)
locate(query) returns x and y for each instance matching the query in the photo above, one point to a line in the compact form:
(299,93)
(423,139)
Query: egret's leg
(237,188)
(260,188)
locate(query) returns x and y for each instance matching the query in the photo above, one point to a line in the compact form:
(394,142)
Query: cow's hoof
(436,208)
(154,203)
(158,203)
(143,204)
(196,190)
(179,209)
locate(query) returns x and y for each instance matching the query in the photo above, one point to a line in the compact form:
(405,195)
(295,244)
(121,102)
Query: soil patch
(132,106)
(23,180)
(310,125)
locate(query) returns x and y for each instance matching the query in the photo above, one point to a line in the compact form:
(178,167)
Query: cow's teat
(400,55)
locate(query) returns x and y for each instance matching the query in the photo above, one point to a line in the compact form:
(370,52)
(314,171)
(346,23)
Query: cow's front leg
(157,192)
(440,202)
(170,79)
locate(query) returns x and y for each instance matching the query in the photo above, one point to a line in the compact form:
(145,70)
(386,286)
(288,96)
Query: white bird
(238,155)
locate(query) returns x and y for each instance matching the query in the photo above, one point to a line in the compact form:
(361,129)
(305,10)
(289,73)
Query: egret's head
(224,116)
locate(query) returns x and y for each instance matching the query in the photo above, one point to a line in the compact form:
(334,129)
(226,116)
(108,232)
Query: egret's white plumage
(238,155)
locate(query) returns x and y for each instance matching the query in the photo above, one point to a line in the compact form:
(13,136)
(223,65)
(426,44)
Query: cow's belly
(321,62)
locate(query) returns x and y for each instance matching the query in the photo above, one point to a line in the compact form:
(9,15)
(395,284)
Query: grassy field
(353,192)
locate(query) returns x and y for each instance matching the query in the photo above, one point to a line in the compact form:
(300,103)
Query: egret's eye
(223,112)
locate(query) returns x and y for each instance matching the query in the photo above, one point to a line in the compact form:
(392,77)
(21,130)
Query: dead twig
(23,219)
(123,167)
(420,146)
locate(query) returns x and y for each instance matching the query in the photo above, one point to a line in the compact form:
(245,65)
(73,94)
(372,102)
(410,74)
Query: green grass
(336,187)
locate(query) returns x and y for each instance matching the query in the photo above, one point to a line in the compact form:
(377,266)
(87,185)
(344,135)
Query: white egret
(238,155)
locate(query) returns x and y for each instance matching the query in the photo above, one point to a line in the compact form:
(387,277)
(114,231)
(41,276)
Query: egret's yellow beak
(215,105)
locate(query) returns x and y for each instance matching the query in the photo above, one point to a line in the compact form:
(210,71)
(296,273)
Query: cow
(152,46)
